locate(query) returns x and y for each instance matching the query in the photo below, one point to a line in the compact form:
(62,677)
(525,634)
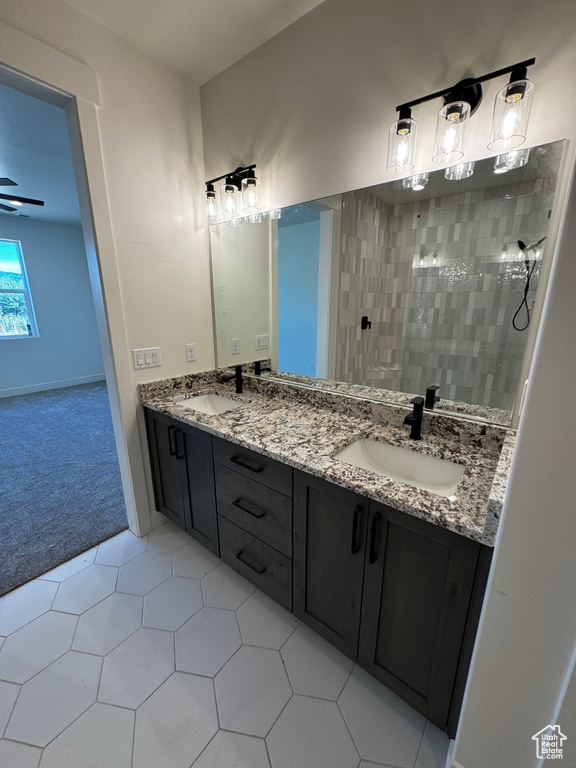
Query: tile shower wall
(441,280)
(373,283)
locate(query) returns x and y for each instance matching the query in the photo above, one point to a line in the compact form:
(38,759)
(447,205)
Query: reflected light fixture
(459,172)
(416,182)
(510,119)
(516,158)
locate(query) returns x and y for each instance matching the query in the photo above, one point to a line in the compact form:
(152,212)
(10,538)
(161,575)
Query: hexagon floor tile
(134,669)
(311,732)
(175,724)
(16,755)
(71,567)
(120,549)
(167,538)
(194,561)
(101,737)
(53,699)
(25,604)
(35,646)
(234,750)
(108,624)
(172,603)
(8,695)
(251,691)
(207,641)
(144,573)
(85,589)
(224,588)
(263,622)
(314,667)
(384,728)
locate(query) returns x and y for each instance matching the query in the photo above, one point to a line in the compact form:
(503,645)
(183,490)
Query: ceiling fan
(4,182)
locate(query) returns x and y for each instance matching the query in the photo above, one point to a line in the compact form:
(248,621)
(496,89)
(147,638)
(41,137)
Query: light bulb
(416,182)
(251,194)
(211,208)
(401,144)
(228,199)
(17,203)
(450,130)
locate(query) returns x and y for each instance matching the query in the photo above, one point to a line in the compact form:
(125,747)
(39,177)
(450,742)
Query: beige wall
(322,95)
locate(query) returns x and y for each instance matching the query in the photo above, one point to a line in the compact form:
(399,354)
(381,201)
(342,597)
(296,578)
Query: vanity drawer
(254,465)
(261,511)
(263,566)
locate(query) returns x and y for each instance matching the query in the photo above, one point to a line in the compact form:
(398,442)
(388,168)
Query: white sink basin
(417,469)
(210,404)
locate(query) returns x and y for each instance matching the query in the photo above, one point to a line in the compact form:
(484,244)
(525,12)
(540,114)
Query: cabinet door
(417,588)
(196,446)
(166,467)
(329,545)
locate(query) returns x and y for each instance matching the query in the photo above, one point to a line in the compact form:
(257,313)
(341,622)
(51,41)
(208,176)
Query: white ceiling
(198,38)
(35,153)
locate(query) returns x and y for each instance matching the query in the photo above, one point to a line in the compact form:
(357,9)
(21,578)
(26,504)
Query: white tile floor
(151,653)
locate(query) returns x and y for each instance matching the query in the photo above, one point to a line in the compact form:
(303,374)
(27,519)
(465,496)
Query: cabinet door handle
(355,543)
(373,535)
(246,464)
(180,444)
(171,441)
(255,511)
(259,570)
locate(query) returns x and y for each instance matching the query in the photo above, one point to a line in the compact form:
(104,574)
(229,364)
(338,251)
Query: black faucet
(236,375)
(431,396)
(415,418)
(258,367)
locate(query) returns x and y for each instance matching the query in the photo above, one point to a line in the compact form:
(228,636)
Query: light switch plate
(263,341)
(190,353)
(149,357)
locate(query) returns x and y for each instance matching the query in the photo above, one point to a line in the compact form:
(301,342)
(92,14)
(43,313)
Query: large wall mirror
(386,290)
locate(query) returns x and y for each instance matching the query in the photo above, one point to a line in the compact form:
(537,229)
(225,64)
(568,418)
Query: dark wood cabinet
(329,545)
(183,477)
(396,593)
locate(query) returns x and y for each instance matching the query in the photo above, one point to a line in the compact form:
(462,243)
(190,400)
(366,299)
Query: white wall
(322,95)
(67,349)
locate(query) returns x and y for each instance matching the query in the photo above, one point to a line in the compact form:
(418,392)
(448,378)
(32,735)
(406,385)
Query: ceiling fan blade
(4,182)
(7,208)
(21,199)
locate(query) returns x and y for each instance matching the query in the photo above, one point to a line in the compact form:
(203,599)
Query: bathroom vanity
(391,574)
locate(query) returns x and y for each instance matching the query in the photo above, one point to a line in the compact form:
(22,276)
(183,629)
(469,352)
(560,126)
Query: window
(16,311)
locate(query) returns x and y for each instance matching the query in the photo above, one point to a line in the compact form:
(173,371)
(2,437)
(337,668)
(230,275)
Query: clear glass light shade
(516,158)
(416,182)
(254,218)
(401,146)
(229,200)
(251,194)
(511,115)
(211,207)
(450,132)
(275,213)
(459,172)
(238,222)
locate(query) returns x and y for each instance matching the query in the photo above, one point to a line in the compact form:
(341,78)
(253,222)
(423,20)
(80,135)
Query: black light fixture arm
(235,176)
(519,71)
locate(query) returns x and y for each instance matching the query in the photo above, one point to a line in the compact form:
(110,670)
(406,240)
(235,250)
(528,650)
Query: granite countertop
(304,428)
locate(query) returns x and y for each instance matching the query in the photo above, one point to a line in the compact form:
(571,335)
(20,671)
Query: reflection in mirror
(397,288)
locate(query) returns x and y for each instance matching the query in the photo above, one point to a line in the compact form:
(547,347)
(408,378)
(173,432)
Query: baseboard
(28,390)
(450,762)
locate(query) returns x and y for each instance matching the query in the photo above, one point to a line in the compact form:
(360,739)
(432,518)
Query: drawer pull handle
(247,464)
(259,570)
(355,543)
(171,441)
(255,511)
(179,441)
(373,535)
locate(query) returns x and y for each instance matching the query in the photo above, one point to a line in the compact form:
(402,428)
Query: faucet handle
(418,403)
(431,396)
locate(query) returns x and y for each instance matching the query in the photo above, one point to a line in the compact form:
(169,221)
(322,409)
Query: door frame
(39,70)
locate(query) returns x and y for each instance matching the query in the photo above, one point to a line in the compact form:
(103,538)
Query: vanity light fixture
(516,158)
(510,119)
(416,182)
(240,192)
(459,172)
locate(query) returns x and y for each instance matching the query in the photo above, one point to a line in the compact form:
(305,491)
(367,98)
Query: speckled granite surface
(304,428)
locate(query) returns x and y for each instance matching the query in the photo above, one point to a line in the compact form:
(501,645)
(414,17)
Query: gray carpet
(60,489)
